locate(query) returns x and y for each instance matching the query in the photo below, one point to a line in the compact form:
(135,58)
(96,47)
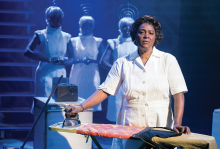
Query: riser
(18,30)
(8,50)
(17,72)
(16,79)
(16,94)
(14,86)
(9,17)
(14,57)
(14,5)
(16,37)
(16,24)
(16,104)
(19,64)
(17,0)
(18,118)
(16,12)
(14,43)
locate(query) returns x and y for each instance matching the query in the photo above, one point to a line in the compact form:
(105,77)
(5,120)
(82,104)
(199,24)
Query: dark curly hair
(150,20)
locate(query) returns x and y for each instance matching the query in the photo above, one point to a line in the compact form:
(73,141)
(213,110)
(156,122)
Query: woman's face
(125,30)
(145,37)
(87,28)
(55,21)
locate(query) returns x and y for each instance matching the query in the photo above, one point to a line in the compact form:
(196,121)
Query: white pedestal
(46,139)
(216,126)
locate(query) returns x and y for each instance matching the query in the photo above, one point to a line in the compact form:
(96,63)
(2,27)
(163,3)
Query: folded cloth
(149,132)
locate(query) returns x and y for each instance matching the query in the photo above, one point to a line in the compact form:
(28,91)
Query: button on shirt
(146,88)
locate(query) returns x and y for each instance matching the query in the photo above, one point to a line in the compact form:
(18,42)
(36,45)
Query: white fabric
(53,44)
(120,47)
(86,77)
(146,89)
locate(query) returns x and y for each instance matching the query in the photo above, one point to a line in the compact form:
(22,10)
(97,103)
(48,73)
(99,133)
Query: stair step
(15,50)
(17,79)
(18,11)
(21,94)
(17,0)
(16,23)
(15,37)
(15,126)
(11,50)
(18,64)
(16,110)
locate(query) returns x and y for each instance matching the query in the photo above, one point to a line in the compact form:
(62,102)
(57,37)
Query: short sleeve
(111,43)
(98,41)
(40,35)
(114,79)
(175,76)
(68,36)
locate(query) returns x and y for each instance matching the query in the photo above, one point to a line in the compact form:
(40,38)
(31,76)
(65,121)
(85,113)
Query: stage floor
(14,143)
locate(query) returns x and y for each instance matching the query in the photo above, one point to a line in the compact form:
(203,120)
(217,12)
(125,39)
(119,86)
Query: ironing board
(194,140)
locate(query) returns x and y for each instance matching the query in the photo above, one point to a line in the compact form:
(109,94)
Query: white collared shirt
(146,89)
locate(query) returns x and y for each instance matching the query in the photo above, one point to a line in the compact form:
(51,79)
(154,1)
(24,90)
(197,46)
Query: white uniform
(146,89)
(120,47)
(53,44)
(86,76)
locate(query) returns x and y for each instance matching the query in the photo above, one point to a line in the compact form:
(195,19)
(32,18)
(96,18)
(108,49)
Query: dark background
(191,34)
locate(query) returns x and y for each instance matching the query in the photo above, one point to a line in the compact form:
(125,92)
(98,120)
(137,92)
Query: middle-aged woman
(148,77)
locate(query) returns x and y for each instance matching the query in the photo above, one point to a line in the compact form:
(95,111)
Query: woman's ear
(46,20)
(120,31)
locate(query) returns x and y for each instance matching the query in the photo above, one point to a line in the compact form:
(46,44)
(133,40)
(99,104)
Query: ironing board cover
(108,130)
(194,140)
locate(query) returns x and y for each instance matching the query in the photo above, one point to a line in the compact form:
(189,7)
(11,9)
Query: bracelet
(82,107)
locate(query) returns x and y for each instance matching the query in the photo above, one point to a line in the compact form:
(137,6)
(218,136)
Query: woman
(54,44)
(87,49)
(117,48)
(120,46)
(147,77)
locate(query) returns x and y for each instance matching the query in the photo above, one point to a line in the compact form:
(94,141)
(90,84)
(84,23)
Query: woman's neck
(145,54)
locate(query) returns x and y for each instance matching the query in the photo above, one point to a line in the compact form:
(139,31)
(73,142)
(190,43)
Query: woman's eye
(141,32)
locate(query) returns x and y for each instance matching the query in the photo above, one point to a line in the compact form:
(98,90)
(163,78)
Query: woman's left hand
(183,129)
(59,61)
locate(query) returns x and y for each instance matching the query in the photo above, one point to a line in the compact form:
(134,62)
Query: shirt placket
(146,105)
(144,96)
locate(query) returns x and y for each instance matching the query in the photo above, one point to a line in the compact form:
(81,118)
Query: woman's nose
(146,35)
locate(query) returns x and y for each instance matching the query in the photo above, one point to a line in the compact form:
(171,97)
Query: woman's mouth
(146,42)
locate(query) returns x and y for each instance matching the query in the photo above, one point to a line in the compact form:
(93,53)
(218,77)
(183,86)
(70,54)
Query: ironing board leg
(142,146)
(146,145)
(96,142)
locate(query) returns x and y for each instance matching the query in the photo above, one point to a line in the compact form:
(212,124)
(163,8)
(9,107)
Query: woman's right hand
(74,109)
(55,61)
(58,60)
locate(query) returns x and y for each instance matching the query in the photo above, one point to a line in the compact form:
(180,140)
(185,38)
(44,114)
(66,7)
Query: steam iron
(71,120)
